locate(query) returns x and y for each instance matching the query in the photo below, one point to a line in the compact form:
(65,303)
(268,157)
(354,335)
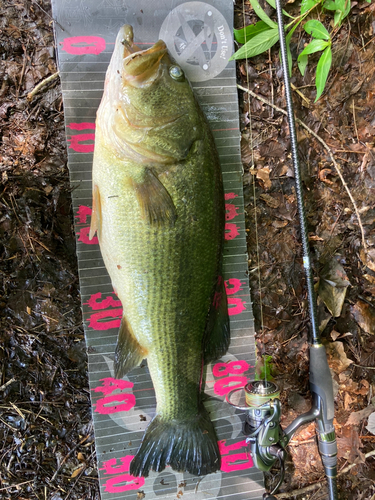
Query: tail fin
(189,445)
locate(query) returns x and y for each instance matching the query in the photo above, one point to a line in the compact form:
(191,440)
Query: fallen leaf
(77,471)
(368,258)
(364,314)
(332,287)
(314,237)
(272,149)
(270,200)
(305,433)
(283,170)
(335,335)
(348,400)
(357,416)
(371,423)
(323,175)
(323,315)
(337,358)
(369,278)
(263,174)
(278,224)
(349,386)
(348,445)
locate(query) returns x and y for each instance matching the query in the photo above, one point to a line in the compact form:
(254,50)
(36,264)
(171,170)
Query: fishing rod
(266,439)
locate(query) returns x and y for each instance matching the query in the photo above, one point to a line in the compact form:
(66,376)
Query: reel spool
(265,437)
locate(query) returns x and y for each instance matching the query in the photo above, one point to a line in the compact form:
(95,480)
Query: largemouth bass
(158,209)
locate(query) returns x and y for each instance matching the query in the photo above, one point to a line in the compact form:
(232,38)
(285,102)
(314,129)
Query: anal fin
(129,353)
(156,203)
(96,215)
(217,328)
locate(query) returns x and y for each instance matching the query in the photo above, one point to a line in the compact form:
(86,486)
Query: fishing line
(254,198)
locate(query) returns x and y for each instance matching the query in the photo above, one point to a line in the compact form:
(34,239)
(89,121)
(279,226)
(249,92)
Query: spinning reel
(266,439)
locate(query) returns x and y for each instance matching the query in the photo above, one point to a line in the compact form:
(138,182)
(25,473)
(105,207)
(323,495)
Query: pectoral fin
(217,329)
(129,353)
(96,215)
(156,203)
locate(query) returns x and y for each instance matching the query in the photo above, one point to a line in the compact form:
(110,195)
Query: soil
(46,434)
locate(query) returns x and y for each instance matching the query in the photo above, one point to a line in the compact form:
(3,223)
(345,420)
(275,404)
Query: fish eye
(176,73)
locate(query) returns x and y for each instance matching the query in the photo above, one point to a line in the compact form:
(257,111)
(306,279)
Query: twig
(271,79)
(314,486)
(4,386)
(307,101)
(41,244)
(355,121)
(46,13)
(365,367)
(42,84)
(16,485)
(324,144)
(23,68)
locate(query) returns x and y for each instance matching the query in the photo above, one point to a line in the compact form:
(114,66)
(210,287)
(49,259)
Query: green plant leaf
(287,42)
(322,70)
(331,5)
(290,34)
(316,29)
(273,4)
(341,8)
(308,4)
(337,18)
(341,4)
(261,14)
(290,59)
(245,34)
(258,44)
(302,63)
(264,368)
(313,47)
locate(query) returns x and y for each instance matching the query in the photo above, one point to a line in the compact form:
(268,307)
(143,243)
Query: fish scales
(158,208)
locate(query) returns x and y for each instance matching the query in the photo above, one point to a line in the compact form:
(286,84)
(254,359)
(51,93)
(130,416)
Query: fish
(159,214)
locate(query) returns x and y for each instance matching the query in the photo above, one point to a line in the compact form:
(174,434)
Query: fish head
(148,109)
(140,68)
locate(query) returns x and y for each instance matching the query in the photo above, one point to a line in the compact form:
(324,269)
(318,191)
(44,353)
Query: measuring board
(199,37)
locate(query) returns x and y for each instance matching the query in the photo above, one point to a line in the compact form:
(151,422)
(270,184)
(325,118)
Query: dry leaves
(332,287)
(337,359)
(357,416)
(364,314)
(371,423)
(263,174)
(271,201)
(368,258)
(348,444)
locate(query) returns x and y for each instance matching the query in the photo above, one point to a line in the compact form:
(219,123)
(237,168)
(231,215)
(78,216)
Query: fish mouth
(139,67)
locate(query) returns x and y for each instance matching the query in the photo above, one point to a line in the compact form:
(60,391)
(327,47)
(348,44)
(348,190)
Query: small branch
(355,121)
(365,367)
(326,147)
(4,386)
(307,101)
(314,486)
(16,485)
(40,85)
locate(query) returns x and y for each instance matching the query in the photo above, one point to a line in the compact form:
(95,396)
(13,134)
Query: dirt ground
(46,434)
